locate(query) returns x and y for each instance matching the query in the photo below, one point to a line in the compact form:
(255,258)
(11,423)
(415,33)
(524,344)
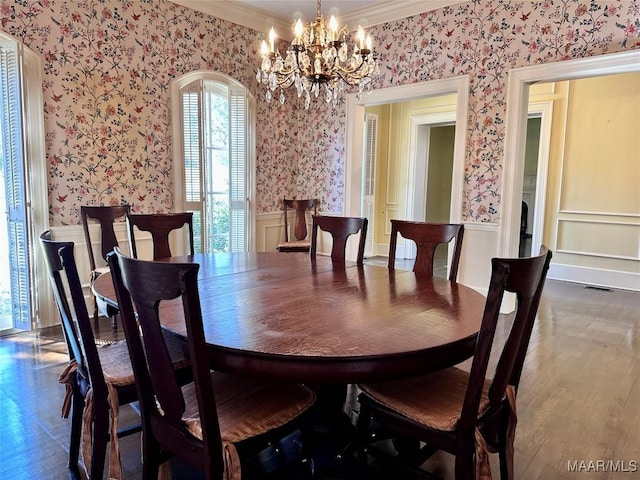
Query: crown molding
(391,10)
(261,21)
(238,13)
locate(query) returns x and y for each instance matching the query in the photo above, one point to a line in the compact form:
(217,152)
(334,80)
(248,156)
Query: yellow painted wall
(396,171)
(603,146)
(592,212)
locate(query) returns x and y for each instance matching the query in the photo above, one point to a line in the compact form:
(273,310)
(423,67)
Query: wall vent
(596,287)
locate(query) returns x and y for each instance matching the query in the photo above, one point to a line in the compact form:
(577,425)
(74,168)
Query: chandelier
(319,61)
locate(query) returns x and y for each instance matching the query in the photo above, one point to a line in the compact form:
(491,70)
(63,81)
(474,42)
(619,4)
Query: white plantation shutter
(238,160)
(193,158)
(13,150)
(369,177)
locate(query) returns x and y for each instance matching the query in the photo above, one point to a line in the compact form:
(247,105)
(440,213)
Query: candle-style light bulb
(298,30)
(360,37)
(369,42)
(264,48)
(272,39)
(333,29)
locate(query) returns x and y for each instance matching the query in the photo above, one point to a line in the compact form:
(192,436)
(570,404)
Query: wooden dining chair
(300,241)
(427,236)
(464,412)
(340,228)
(105,216)
(212,421)
(160,225)
(99,379)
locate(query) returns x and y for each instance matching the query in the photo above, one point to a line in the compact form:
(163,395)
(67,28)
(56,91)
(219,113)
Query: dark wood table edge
(339,369)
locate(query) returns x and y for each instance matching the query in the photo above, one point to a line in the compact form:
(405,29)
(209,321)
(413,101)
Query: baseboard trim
(597,277)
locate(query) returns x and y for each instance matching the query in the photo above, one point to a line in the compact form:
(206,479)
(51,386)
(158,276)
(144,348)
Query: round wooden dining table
(285,316)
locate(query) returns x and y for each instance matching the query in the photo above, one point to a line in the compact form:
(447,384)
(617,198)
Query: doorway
(529,185)
(536,167)
(594,238)
(399,203)
(406,138)
(432,142)
(430,187)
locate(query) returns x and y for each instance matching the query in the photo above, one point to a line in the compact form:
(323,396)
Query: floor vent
(596,287)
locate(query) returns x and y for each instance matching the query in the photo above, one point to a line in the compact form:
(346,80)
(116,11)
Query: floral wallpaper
(108,65)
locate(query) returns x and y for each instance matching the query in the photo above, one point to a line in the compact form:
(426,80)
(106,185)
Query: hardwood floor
(579,399)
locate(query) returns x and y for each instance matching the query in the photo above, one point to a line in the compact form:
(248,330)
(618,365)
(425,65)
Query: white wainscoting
(479,246)
(270,230)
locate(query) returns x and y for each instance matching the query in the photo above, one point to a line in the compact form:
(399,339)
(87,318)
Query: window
(214,159)
(22,181)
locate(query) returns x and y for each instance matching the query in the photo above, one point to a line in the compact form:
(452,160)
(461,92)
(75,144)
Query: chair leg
(306,437)
(464,466)
(151,457)
(77,407)
(100,438)
(362,439)
(96,315)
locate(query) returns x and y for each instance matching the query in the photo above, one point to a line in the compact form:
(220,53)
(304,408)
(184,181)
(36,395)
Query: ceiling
(261,15)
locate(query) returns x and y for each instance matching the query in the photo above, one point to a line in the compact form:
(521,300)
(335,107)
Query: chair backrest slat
(340,228)
(106,217)
(160,225)
(427,236)
(300,206)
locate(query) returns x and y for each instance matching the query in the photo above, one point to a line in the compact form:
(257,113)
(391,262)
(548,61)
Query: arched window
(214,159)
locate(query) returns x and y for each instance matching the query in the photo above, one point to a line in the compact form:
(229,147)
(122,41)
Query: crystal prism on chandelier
(320,62)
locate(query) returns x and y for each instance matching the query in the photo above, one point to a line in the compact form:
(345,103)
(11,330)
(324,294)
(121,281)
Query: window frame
(177,85)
